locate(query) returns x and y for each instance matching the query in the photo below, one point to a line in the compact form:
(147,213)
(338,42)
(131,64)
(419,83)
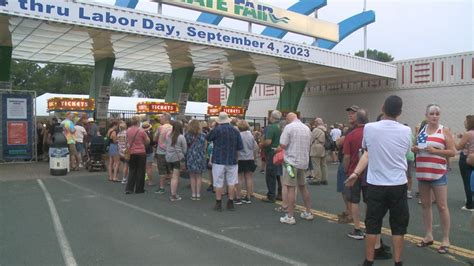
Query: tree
(120,87)
(198,90)
(150,85)
(376,55)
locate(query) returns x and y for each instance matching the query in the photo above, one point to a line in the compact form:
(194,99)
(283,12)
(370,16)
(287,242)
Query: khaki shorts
(72,149)
(298,179)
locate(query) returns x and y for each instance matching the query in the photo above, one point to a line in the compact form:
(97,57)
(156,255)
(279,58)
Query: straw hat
(223,118)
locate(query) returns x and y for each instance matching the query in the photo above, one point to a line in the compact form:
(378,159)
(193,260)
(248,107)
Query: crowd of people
(375,164)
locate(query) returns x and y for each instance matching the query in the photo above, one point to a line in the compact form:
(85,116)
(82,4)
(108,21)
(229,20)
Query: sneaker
(356,234)
(409,194)
(246,200)
(287,220)
(197,198)
(262,171)
(464,208)
(238,202)
(268,200)
(175,198)
(193,198)
(160,191)
(382,254)
(210,188)
(307,216)
(218,206)
(230,205)
(124,181)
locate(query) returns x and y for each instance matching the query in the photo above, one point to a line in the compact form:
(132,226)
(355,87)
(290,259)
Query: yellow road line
(453,250)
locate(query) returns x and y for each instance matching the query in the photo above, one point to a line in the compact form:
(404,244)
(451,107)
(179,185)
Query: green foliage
(376,55)
(120,87)
(149,85)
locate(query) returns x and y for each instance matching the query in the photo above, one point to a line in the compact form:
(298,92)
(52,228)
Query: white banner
(260,13)
(144,23)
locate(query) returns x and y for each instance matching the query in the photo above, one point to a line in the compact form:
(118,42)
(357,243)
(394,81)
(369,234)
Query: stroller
(96,151)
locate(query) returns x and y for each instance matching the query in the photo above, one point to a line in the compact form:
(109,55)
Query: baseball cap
(353,108)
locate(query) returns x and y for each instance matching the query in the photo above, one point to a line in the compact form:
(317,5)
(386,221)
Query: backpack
(329,144)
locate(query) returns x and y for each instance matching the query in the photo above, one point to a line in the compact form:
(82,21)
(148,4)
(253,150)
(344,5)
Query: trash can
(58,153)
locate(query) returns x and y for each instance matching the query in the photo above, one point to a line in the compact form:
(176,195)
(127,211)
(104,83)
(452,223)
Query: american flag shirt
(429,166)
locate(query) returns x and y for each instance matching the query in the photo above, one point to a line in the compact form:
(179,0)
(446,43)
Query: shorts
(443,181)
(72,149)
(298,179)
(229,172)
(380,199)
(80,147)
(352,194)
(341,177)
(149,158)
(113,150)
(163,168)
(246,166)
(174,166)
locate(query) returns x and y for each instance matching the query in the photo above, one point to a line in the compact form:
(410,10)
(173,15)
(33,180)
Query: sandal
(281,209)
(443,250)
(423,244)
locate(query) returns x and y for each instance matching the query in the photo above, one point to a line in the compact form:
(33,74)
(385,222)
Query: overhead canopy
(148,42)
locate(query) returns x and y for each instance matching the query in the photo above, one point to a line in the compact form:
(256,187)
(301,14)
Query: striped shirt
(430,166)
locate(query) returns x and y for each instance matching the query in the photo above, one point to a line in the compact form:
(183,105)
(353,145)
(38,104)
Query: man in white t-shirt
(387,142)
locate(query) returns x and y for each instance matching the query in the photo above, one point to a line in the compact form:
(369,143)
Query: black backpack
(329,144)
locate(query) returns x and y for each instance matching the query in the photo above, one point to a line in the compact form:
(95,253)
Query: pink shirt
(138,145)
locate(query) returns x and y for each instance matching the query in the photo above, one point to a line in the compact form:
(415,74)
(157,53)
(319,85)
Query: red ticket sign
(233,110)
(70,104)
(17,133)
(213,110)
(230,110)
(154,107)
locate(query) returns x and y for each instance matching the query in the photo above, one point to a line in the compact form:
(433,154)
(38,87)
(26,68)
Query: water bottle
(289,169)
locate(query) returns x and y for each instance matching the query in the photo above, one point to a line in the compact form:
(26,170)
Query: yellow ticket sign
(257,12)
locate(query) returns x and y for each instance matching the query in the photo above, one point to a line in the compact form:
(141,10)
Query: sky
(406,29)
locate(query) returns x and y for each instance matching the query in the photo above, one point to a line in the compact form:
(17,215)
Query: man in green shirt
(270,144)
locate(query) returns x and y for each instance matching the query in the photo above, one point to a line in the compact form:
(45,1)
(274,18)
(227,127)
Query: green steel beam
(241,89)
(5,62)
(180,79)
(102,75)
(290,95)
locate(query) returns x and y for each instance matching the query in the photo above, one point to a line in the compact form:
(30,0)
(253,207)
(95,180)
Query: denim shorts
(443,181)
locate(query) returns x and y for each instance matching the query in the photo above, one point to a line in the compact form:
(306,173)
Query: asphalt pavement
(90,221)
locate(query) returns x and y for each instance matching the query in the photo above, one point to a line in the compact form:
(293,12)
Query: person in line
(352,153)
(122,143)
(270,144)
(147,127)
(335,133)
(175,156)
(137,139)
(386,144)
(80,133)
(434,145)
(69,132)
(466,146)
(196,157)
(345,216)
(161,137)
(246,163)
(226,144)
(318,153)
(295,140)
(114,157)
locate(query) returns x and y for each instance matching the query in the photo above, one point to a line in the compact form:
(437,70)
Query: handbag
(278,157)
(127,149)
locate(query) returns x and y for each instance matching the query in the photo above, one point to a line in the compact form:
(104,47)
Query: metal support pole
(365,32)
